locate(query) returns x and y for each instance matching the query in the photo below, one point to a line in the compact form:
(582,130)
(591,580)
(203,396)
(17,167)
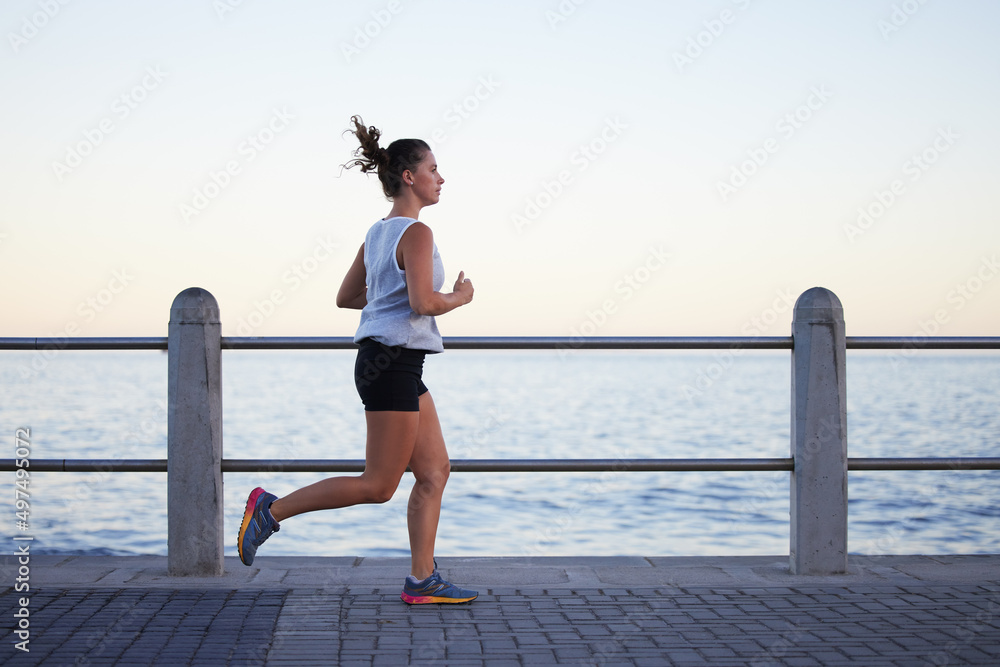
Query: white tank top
(388,317)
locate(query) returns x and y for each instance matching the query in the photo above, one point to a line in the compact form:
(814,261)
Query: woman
(395,280)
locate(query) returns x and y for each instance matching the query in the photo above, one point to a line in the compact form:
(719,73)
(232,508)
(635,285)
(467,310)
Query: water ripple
(524,405)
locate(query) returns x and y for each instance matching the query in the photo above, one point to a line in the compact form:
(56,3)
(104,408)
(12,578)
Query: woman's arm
(416,256)
(354,290)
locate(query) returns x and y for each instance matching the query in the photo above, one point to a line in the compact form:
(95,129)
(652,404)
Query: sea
(518,405)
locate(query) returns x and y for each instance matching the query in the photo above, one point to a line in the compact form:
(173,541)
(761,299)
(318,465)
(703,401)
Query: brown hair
(388,163)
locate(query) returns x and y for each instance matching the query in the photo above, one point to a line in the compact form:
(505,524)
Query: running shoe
(258,524)
(434,590)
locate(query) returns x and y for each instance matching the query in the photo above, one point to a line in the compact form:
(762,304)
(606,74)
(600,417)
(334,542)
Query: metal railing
(818,446)
(520,465)
(518,343)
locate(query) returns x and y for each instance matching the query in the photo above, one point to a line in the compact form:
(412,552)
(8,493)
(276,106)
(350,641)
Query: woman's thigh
(392,437)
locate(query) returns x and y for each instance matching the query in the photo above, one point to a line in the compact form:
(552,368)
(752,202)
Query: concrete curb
(343,574)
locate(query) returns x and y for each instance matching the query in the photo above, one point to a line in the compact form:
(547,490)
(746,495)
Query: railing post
(819,435)
(194,436)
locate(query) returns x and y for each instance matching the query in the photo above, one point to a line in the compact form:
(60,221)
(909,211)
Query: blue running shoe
(433,590)
(258,524)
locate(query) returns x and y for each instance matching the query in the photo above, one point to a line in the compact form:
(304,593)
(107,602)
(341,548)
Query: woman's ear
(407,177)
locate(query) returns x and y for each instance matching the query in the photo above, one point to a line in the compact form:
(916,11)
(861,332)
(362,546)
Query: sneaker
(433,590)
(258,524)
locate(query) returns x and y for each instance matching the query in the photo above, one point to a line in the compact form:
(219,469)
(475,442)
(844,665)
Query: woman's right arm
(354,290)
(417,251)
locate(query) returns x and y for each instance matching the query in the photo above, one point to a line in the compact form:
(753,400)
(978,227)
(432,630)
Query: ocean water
(520,404)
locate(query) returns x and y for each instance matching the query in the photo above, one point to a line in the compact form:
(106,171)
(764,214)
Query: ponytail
(388,163)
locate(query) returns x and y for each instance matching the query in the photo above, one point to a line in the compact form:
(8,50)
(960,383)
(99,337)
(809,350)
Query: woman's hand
(463,288)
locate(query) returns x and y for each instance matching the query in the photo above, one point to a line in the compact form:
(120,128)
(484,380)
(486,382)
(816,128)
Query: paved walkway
(893,610)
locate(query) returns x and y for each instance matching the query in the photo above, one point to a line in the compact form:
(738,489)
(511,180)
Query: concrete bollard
(819,435)
(194,436)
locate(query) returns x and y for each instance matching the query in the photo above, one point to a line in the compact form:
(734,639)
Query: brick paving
(143,627)
(815,624)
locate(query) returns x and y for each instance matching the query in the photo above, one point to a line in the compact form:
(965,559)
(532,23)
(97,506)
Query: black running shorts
(388,377)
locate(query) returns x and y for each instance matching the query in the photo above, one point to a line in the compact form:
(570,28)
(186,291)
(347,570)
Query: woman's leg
(390,445)
(431,467)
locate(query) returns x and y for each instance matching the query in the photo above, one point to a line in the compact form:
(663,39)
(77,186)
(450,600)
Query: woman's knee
(381,495)
(435,477)
(379,491)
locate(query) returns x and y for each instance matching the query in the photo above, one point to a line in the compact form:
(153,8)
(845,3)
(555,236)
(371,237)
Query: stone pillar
(194,436)
(819,435)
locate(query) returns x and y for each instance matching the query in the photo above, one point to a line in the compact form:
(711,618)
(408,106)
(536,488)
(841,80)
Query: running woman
(395,281)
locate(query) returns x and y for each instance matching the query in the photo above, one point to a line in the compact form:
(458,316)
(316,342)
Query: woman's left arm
(354,290)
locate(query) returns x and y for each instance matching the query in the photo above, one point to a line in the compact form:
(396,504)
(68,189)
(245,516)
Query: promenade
(889,610)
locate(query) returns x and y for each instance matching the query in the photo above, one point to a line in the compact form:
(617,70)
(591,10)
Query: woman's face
(427,180)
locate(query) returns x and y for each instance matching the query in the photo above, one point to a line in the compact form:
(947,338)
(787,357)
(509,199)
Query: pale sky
(612,168)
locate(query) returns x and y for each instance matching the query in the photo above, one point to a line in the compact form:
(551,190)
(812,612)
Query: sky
(612,169)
